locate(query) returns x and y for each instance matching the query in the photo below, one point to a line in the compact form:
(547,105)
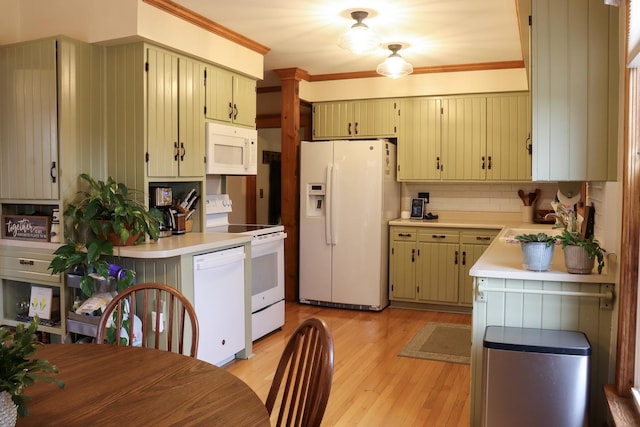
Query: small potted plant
(537,250)
(106,214)
(580,253)
(19,370)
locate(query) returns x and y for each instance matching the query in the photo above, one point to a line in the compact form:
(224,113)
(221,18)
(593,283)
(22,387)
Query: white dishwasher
(218,295)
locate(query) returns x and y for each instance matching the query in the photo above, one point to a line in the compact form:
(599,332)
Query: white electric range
(267,264)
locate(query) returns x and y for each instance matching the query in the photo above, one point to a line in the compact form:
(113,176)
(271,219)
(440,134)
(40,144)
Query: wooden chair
(306,367)
(141,300)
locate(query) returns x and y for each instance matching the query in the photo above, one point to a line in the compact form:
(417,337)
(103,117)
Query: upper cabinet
(50,118)
(155,115)
(369,118)
(508,155)
(466,138)
(574,84)
(175,115)
(231,98)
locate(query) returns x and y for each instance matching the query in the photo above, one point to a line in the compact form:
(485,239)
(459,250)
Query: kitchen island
(168,260)
(505,294)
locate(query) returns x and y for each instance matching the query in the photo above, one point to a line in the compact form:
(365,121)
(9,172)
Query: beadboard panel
(126,130)
(547,312)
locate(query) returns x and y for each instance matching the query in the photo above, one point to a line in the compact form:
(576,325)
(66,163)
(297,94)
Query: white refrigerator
(348,194)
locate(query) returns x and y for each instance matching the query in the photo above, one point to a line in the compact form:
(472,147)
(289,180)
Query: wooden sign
(25,227)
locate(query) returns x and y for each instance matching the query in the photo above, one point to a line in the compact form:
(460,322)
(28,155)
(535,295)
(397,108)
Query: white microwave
(231,150)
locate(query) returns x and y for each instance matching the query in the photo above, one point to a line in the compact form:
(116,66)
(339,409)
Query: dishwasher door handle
(219,261)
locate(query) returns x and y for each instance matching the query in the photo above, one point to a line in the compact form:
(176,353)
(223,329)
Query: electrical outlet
(424,196)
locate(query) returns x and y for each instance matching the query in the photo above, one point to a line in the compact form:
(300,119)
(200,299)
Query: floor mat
(441,341)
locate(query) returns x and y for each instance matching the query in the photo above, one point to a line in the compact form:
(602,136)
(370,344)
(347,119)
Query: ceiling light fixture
(395,66)
(359,39)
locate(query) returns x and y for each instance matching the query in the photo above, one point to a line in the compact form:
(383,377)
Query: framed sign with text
(26,227)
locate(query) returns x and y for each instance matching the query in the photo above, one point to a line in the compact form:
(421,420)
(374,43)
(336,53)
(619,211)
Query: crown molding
(207,24)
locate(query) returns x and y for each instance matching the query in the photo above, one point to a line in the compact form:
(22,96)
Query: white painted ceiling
(304,33)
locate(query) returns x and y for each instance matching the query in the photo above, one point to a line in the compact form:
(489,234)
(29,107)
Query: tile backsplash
(494,197)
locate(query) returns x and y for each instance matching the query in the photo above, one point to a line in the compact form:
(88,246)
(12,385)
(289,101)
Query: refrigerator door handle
(328,206)
(334,197)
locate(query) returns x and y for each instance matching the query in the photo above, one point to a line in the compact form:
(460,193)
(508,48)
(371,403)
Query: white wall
(115,21)
(416,85)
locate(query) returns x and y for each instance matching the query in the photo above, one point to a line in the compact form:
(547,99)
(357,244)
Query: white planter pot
(8,410)
(536,256)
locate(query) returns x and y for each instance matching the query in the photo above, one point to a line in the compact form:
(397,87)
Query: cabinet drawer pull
(235,111)
(435,236)
(489,166)
(483,165)
(484,238)
(349,129)
(464,257)
(230,110)
(356,128)
(455,261)
(404,234)
(26,261)
(413,255)
(182,151)
(176,151)
(53,172)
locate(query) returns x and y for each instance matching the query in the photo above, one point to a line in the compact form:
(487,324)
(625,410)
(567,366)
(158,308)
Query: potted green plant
(537,250)
(18,370)
(106,214)
(580,253)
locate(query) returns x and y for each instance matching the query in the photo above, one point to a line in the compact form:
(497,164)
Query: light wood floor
(372,385)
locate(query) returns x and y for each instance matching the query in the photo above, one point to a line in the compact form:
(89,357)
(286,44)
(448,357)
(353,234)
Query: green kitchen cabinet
(419,139)
(473,243)
(464,138)
(50,118)
(175,115)
(369,118)
(231,97)
(463,142)
(402,261)
(508,153)
(429,266)
(574,90)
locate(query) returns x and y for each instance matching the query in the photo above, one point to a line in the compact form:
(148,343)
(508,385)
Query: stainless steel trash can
(535,377)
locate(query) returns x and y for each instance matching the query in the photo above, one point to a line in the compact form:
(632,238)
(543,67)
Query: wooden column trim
(290,122)
(630,245)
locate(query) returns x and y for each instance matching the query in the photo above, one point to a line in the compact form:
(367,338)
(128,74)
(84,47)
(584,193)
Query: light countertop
(163,248)
(503,259)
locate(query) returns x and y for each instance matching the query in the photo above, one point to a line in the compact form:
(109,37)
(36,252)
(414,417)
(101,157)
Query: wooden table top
(108,385)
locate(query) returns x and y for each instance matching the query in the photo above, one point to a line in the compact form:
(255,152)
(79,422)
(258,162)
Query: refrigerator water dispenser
(315,199)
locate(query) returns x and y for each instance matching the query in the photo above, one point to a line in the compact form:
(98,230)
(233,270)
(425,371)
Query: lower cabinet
(431,265)
(22,270)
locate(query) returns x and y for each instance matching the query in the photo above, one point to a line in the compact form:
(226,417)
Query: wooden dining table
(132,386)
